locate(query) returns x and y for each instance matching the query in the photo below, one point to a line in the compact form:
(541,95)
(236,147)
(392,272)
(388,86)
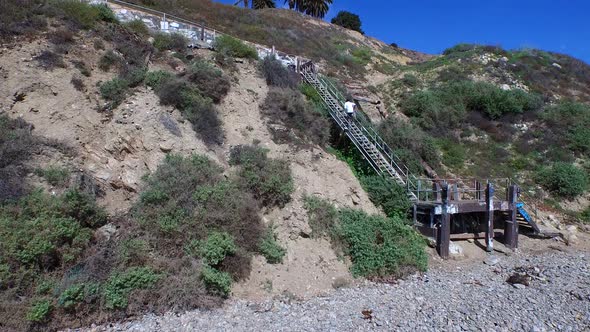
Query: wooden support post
(511,226)
(444,232)
(489,215)
(478,190)
(419,189)
(455,192)
(436,191)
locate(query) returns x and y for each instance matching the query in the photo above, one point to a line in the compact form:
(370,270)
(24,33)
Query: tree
(348,20)
(260,4)
(315,8)
(257,4)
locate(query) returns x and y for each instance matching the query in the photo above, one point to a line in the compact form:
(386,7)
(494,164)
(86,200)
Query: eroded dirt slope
(118,148)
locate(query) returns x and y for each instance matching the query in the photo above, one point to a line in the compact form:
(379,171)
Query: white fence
(197,33)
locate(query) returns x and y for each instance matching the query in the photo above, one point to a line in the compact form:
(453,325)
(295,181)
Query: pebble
(449,302)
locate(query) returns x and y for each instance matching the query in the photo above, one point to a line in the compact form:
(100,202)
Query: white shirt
(349,107)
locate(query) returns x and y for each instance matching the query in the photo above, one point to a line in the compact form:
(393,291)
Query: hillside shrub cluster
(563,179)
(269,180)
(278,75)
(16,145)
(570,123)
(383,192)
(378,246)
(446,106)
(285,106)
(410,143)
(170,41)
(234,48)
(43,237)
(190,211)
(194,93)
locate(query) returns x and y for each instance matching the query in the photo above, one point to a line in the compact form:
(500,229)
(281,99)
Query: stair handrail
(530,208)
(364,123)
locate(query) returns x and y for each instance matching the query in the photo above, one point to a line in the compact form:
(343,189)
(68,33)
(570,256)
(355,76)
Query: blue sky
(432,25)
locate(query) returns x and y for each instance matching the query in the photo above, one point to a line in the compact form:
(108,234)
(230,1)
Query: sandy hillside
(118,148)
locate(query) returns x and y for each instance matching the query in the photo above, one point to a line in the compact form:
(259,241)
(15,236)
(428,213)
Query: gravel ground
(475,297)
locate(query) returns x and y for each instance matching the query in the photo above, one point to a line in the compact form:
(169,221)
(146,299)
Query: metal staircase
(360,132)
(379,155)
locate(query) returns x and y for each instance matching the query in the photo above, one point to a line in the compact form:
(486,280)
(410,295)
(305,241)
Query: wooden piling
(489,215)
(511,226)
(478,190)
(436,191)
(444,232)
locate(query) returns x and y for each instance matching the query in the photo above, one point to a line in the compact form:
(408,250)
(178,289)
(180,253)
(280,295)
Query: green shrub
(585,216)
(410,80)
(105,14)
(155,79)
(55,175)
(119,285)
(323,216)
(114,91)
(569,121)
(276,74)
(233,47)
(76,294)
(109,59)
(216,281)
(42,232)
(170,41)
(81,13)
(216,247)
(138,27)
(446,106)
(362,55)
(268,179)
(311,94)
(454,153)
(193,191)
(563,179)
(133,251)
(270,248)
(410,143)
(387,194)
(45,287)
(40,311)
(199,110)
(209,80)
(288,108)
(134,76)
(381,246)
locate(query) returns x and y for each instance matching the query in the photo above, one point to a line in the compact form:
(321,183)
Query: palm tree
(260,4)
(297,5)
(257,4)
(317,8)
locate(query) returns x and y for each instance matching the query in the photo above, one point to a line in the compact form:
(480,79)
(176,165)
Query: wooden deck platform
(433,218)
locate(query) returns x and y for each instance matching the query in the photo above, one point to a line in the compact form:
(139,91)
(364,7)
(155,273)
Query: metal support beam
(511,226)
(444,232)
(489,215)
(202,31)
